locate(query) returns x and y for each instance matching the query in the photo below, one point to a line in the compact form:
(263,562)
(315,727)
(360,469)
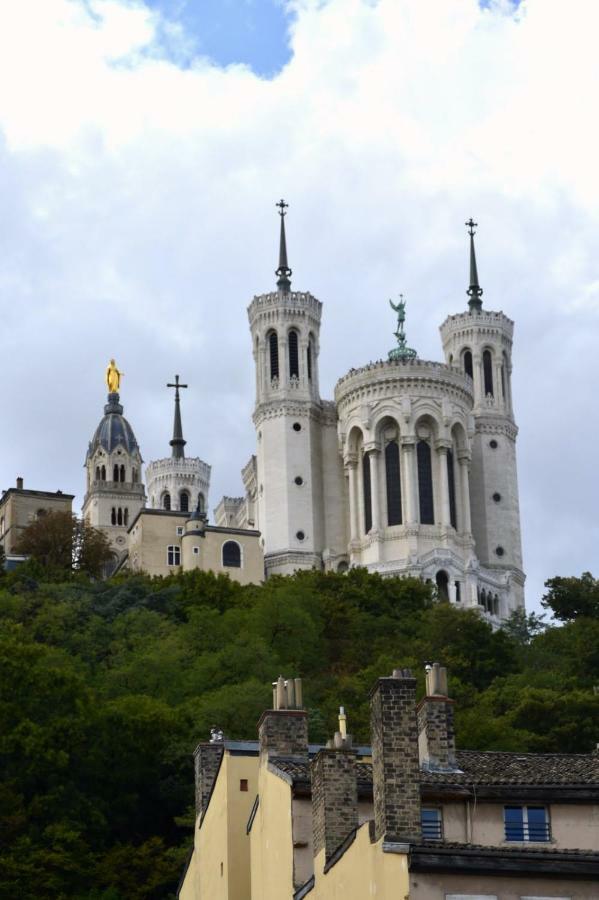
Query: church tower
(293,426)
(479,342)
(115,491)
(178,482)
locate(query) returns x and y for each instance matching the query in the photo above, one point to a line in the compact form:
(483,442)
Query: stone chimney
(334,792)
(436,735)
(207,758)
(283,730)
(395,765)
(19,484)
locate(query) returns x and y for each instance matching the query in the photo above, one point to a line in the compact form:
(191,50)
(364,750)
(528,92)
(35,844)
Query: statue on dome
(113,377)
(402,352)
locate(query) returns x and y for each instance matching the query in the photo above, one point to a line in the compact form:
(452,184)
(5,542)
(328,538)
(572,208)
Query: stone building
(411,469)
(19,506)
(178,482)
(114,484)
(407,817)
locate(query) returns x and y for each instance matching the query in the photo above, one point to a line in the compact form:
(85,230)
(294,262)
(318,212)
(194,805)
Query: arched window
(122,473)
(113,516)
(367,493)
(393,483)
(134,476)
(442,585)
(201,502)
(488,372)
(273,347)
(309,359)
(119,516)
(184,501)
(342,567)
(97,473)
(166,501)
(425,484)
(503,381)
(458,592)
(483,598)
(232,555)
(115,473)
(451,487)
(293,354)
(468,364)
(126,517)
(103,473)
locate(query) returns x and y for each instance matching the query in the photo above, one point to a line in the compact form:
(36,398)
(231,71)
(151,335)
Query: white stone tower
(178,482)
(480,343)
(115,491)
(294,429)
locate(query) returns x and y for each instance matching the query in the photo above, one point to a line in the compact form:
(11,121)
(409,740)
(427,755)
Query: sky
(143,147)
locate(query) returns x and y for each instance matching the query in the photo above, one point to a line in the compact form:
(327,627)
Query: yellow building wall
(271,840)
(363,871)
(20,508)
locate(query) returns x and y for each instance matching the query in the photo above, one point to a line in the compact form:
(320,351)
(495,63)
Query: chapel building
(410,470)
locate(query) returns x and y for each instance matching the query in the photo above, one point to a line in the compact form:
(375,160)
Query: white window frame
(196,551)
(180,530)
(176,552)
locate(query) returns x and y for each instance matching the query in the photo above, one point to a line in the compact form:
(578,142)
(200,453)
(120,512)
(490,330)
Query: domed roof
(114,430)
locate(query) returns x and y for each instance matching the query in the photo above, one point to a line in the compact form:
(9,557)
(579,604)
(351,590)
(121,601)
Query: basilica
(409,470)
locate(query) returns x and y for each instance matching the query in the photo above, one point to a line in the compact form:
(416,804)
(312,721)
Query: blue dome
(114,430)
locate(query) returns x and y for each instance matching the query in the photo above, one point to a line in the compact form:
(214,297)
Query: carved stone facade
(411,470)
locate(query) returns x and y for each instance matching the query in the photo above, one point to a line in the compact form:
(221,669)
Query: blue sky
(253,32)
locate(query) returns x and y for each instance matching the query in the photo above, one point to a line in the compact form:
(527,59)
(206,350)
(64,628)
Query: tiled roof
(488,768)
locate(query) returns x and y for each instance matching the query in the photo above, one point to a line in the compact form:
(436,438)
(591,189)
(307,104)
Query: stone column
(395,763)
(410,482)
(442,448)
(334,799)
(354,510)
(464,460)
(375,502)
(477,378)
(500,399)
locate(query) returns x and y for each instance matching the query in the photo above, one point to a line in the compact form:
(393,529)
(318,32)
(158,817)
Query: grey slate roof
(485,768)
(114,430)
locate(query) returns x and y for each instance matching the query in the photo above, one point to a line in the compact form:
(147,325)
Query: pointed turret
(177,443)
(475,291)
(283,272)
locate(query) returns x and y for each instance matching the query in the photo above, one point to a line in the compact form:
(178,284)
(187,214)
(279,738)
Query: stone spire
(177,443)
(475,291)
(283,272)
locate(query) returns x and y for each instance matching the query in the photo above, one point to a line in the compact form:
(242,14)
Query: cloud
(138,221)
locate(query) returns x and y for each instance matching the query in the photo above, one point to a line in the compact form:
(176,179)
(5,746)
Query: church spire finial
(283,272)
(475,291)
(177,443)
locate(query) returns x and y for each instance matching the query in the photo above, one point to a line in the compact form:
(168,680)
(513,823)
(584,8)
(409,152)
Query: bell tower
(285,329)
(479,342)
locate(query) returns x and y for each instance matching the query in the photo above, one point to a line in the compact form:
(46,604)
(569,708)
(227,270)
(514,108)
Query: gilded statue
(113,377)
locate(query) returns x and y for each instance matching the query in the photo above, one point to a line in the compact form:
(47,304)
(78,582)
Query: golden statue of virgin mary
(113,377)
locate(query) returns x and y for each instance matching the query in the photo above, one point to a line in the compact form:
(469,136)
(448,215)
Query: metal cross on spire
(283,272)
(177,443)
(475,291)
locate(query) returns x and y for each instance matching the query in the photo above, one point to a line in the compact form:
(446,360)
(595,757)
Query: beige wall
(573,826)
(363,871)
(152,533)
(19,508)
(424,886)
(271,840)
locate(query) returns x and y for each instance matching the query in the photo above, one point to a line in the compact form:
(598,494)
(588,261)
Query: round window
(300,535)
(499,551)
(297,426)
(496,497)
(493,444)
(299,480)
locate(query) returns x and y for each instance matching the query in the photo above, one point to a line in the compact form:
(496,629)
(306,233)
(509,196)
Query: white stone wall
(104,496)
(173,476)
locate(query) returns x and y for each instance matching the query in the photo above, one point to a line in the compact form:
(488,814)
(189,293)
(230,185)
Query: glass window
(173,555)
(432,823)
(273,346)
(488,372)
(526,823)
(367,493)
(293,355)
(425,483)
(166,501)
(180,530)
(184,501)
(393,483)
(232,554)
(451,486)
(468,363)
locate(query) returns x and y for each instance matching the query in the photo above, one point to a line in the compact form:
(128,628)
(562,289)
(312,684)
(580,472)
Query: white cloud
(138,220)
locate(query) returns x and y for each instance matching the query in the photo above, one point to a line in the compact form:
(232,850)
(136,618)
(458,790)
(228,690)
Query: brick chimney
(334,792)
(395,765)
(436,735)
(207,758)
(283,730)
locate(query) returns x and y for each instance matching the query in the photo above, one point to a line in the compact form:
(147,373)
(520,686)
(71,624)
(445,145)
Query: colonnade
(410,499)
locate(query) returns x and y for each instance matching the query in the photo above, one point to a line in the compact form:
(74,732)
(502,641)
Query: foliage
(60,542)
(572,598)
(106,687)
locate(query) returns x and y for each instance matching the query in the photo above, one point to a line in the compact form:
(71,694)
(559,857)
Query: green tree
(61,542)
(572,598)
